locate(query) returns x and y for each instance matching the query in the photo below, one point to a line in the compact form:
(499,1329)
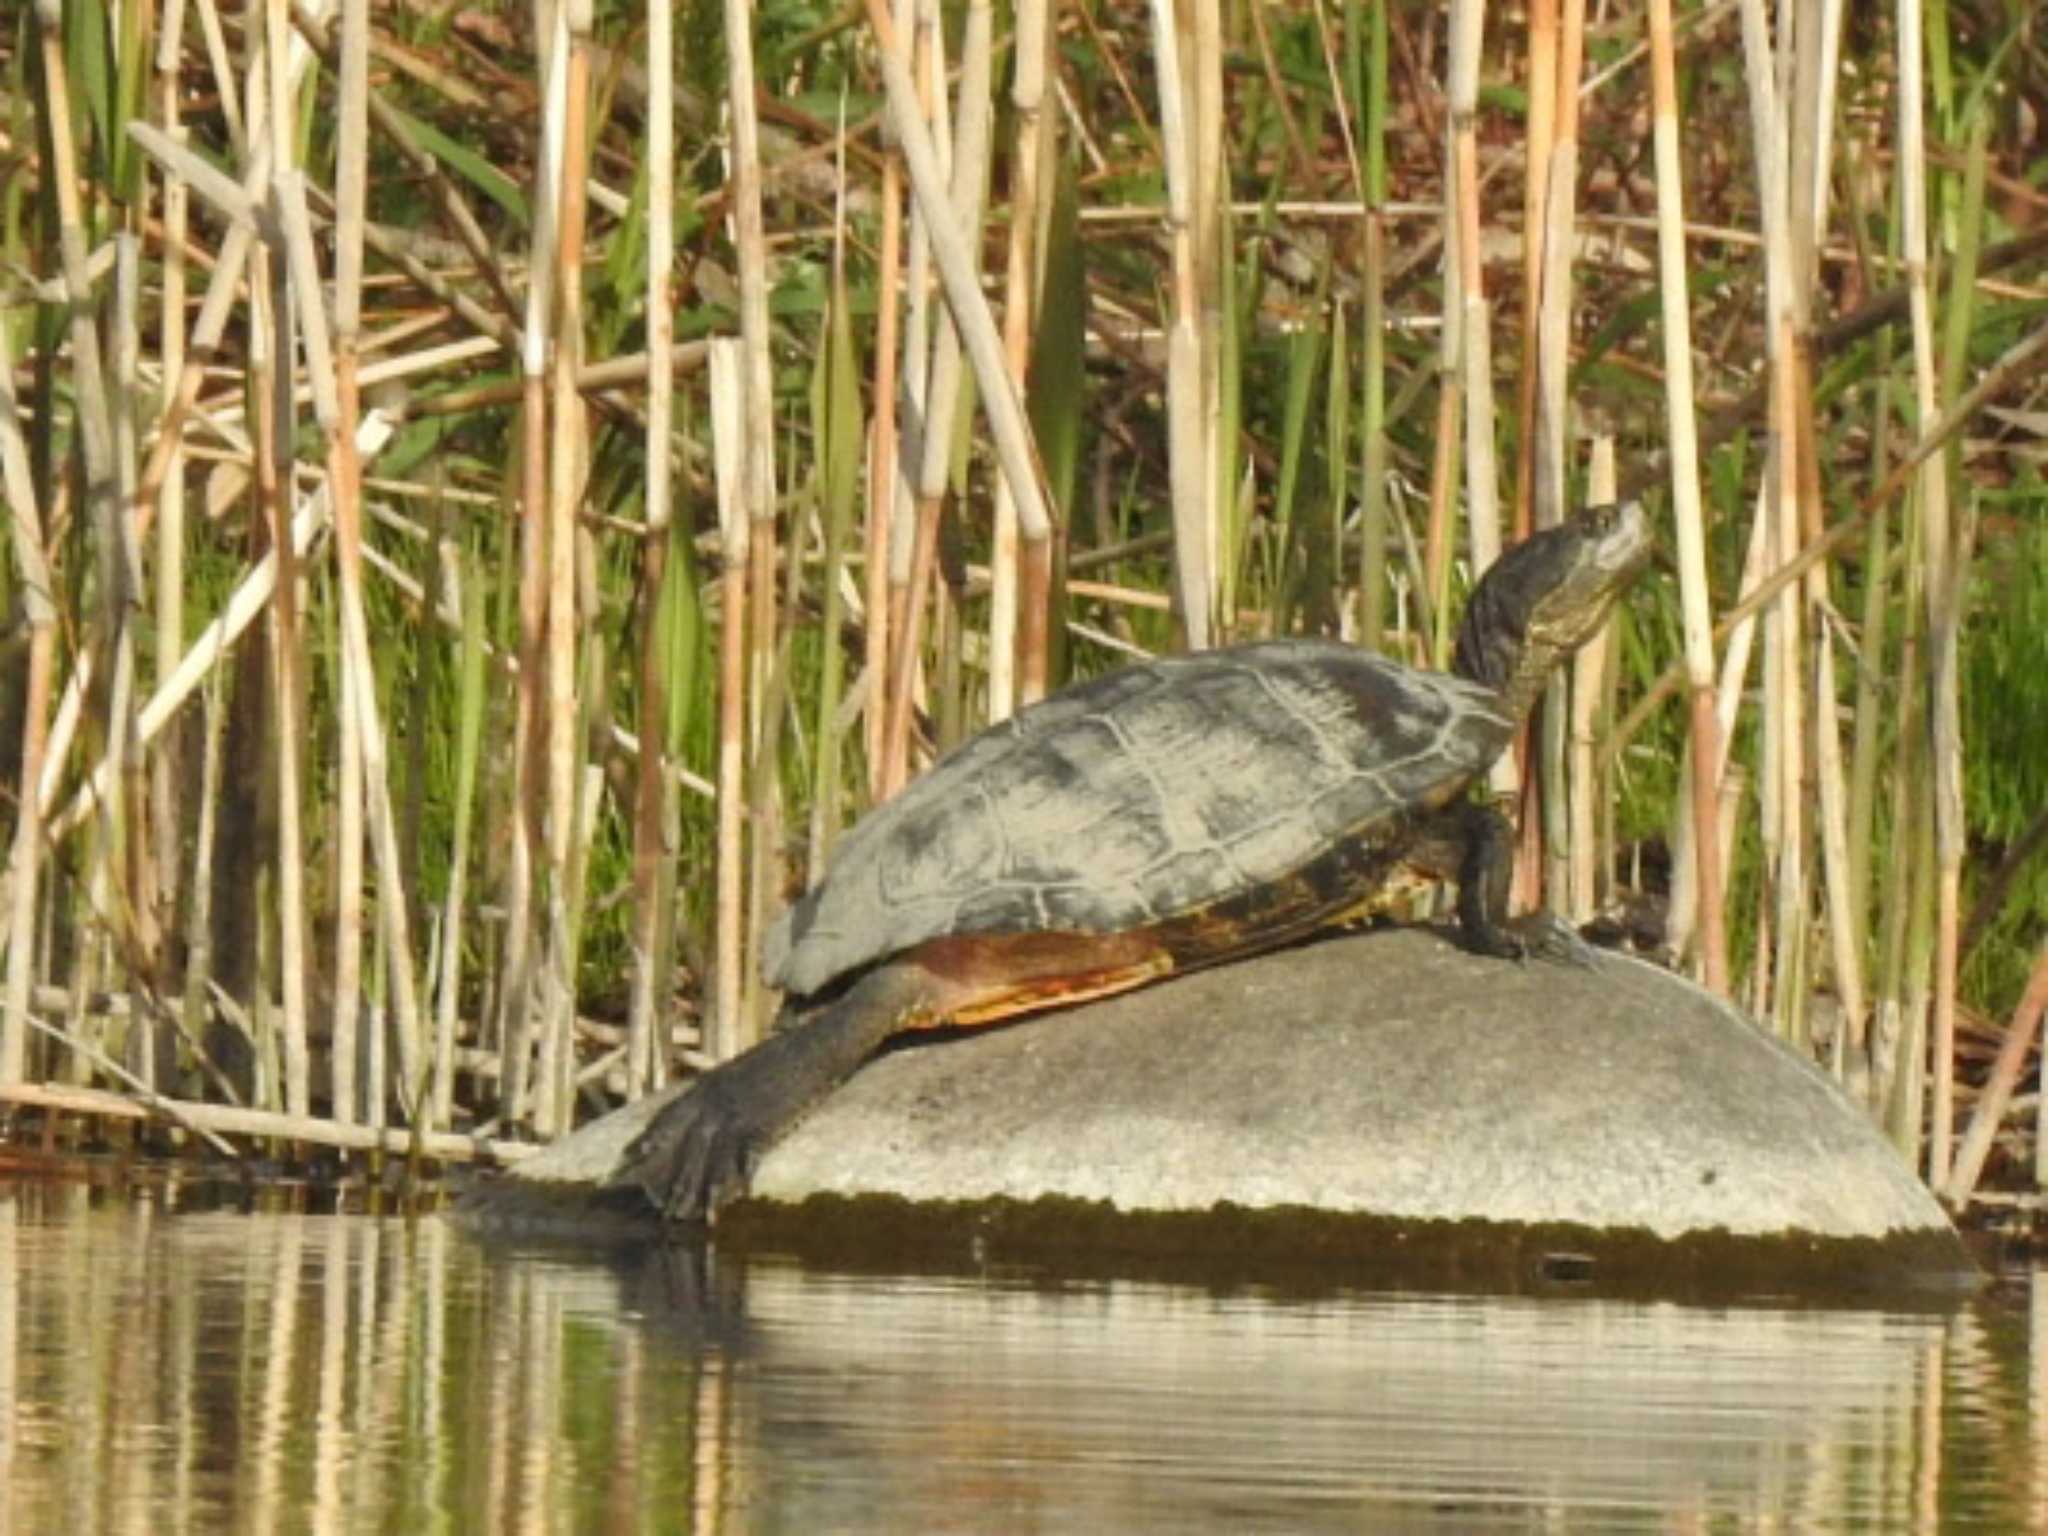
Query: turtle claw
(698,1155)
(1546,936)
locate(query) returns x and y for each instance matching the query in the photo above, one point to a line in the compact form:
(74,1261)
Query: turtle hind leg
(701,1151)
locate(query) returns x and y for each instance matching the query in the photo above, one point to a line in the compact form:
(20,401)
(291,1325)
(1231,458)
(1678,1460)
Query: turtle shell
(1151,794)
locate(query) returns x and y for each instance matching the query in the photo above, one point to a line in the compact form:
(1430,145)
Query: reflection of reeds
(169,1367)
(455,861)
(223,1372)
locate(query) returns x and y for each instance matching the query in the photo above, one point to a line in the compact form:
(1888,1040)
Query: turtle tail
(701,1151)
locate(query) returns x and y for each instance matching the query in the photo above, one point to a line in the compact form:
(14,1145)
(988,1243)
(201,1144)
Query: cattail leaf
(470,166)
(1057,381)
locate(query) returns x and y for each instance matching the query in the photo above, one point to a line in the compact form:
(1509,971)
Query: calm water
(165,1367)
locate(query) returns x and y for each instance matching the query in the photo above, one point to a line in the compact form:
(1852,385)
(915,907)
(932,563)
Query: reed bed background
(493,492)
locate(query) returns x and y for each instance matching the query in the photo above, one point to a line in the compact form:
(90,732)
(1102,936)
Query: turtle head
(1547,596)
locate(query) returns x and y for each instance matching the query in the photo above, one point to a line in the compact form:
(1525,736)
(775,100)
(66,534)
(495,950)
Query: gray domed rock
(1387,1080)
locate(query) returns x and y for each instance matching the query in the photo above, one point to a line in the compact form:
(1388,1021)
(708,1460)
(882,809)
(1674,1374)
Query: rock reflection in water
(164,1368)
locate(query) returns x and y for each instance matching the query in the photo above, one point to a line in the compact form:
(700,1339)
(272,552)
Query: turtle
(1177,813)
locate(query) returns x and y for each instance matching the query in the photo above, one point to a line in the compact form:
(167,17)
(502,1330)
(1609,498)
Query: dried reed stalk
(1544,502)
(24,869)
(566,450)
(90,388)
(1589,855)
(729,985)
(1996,1096)
(1845,928)
(968,176)
(1815,50)
(395,924)
(1784,720)
(1028,158)
(1935,551)
(998,396)
(1695,600)
(914,526)
(650,842)
(1190,467)
(925,41)
(1373,513)
(1947,595)
(1539,136)
(344,475)
(750,244)
(169,565)
(882,480)
(529,728)
(469,734)
(269,356)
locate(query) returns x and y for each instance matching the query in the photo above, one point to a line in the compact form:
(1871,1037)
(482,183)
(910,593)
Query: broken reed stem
(1996,1096)
(220,1119)
(424,166)
(245,604)
(1005,411)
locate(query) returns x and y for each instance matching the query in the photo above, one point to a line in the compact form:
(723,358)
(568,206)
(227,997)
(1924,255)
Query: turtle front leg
(1485,865)
(1484,871)
(701,1150)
